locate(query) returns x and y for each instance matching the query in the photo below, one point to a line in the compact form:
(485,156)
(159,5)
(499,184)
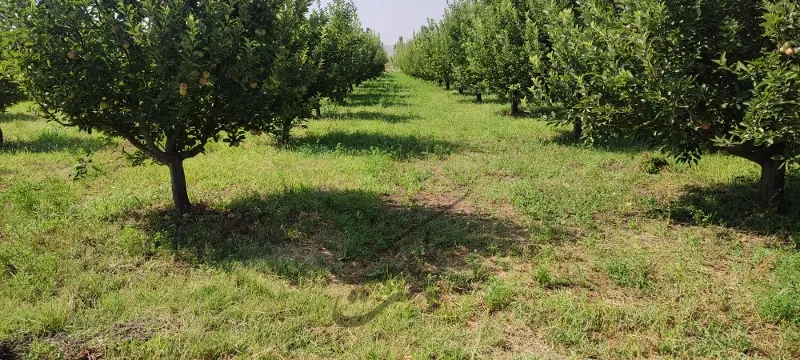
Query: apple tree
(685,76)
(10,92)
(498,49)
(166,75)
(339,37)
(457,25)
(288,94)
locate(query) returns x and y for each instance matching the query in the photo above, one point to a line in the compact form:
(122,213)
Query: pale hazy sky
(395,18)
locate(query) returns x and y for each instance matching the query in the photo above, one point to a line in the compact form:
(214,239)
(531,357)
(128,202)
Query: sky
(396,18)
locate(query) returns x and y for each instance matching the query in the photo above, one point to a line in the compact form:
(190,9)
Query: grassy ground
(408,223)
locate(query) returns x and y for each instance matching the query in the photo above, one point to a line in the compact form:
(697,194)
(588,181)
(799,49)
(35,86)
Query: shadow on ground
(566,138)
(733,205)
(399,147)
(384,91)
(50,141)
(373,116)
(16,116)
(351,236)
(470,99)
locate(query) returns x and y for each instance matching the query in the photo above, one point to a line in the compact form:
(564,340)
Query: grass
(410,221)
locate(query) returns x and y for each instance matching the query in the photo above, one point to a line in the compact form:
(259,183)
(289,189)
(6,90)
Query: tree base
(178,179)
(577,130)
(772,187)
(514,107)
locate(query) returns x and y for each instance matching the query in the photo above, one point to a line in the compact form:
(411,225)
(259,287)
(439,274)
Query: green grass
(409,221)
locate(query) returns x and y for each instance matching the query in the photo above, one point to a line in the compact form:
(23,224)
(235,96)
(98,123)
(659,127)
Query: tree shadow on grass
(470,99)
(7,117)
(384,91)
(351,236)
(733,205)
(619,145)
(51,141)
(399,147)
(373,116)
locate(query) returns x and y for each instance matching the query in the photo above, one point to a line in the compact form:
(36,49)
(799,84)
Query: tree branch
(155,155)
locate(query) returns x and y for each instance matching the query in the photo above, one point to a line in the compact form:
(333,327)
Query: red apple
(203,81)
(183,86)
(206,74)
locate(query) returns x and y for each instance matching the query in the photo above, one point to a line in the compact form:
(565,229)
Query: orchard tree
(10,92)
(573,51)
(338,39)
(481,45)
(456,26)
(687,77)
(166,75)
(344,52)
(294,75)
(498,49)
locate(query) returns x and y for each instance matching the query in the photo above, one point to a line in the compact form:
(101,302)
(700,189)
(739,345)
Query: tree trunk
(439,82)
(318,109)
(1,136)
(179,193)
(773,184)
(577,129)
(461,90)
(447,85)
(479,97)
(514,105)
(286,132)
